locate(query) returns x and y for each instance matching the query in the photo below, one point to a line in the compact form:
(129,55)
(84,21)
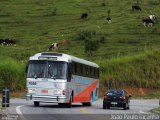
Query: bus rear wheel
(88,103)
(36,104)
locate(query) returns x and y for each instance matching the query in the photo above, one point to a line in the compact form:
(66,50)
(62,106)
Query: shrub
(102,39)
(85,34)
(136,71)
(91,46)
(11,74)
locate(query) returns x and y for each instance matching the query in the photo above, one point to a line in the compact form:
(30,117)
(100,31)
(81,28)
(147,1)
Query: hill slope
(35,24)
(142,70)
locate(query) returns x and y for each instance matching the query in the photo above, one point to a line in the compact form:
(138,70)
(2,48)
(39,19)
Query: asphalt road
(46,111)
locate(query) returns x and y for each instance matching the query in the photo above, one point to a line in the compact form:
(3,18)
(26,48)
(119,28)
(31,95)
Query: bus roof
(61,57)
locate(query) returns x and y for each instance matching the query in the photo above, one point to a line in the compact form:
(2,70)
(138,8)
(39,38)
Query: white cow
(153,18)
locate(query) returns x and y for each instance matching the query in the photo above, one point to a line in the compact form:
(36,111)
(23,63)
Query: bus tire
(88,103)
(36,104)
(60,104)
(69,105)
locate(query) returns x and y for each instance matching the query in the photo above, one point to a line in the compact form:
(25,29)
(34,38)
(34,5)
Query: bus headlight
(57,91)
(64,92)
(31,90)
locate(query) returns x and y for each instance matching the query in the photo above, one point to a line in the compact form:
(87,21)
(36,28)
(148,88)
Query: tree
(91,46)
(91,41)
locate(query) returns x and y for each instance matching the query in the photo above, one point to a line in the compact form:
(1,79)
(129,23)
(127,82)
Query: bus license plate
(44,91)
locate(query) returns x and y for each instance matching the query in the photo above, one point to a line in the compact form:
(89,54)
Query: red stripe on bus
(85,95)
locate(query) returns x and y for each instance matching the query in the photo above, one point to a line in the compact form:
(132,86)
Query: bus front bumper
(48,99)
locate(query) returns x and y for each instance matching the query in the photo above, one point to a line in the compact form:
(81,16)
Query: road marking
(19,112)
(143,112)
(83,110)
(18,109)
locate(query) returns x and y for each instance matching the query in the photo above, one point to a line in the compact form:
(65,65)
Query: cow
(153,18)
(136,8)
(53,47)
(147,22)
(7,42)
(1,41)
(109,20)
(12,42)
(84,15)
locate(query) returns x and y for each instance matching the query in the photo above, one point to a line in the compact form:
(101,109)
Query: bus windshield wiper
(53,77)
(35,76)
(39,75)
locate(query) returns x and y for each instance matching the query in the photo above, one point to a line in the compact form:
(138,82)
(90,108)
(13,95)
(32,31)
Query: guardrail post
(5,97)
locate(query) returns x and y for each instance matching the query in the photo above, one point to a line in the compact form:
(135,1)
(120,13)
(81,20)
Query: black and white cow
(7,42)
(153,18)
(147,22)
(150,20)
(109,20)
(136,8)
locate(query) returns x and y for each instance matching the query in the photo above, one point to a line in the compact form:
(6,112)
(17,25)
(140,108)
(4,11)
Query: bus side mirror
(26,68)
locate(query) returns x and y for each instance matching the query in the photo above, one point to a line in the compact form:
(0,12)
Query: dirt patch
(141,91)
(16,94)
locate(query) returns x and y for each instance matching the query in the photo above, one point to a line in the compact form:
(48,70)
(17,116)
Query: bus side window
(69,73)
(98,72)
(92,72)
(75,68)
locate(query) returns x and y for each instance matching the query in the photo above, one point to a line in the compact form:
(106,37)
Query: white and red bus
(61,78)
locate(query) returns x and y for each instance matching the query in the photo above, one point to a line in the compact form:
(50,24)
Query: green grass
(140,70)
(35,24)
(156,110)
(12,74)
(32,22)
(155,94)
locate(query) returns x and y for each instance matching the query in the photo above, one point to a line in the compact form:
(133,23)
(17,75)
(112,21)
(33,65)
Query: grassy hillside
(12,74)
(142,70)
(35,24)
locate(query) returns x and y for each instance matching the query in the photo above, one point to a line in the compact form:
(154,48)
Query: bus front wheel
(69,105)
(36,104)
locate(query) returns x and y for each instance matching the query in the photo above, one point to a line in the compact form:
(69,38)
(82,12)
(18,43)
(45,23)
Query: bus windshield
(47,69)
(57,70)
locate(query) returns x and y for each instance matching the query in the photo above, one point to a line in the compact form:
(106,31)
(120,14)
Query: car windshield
(47,69)
(115,92)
